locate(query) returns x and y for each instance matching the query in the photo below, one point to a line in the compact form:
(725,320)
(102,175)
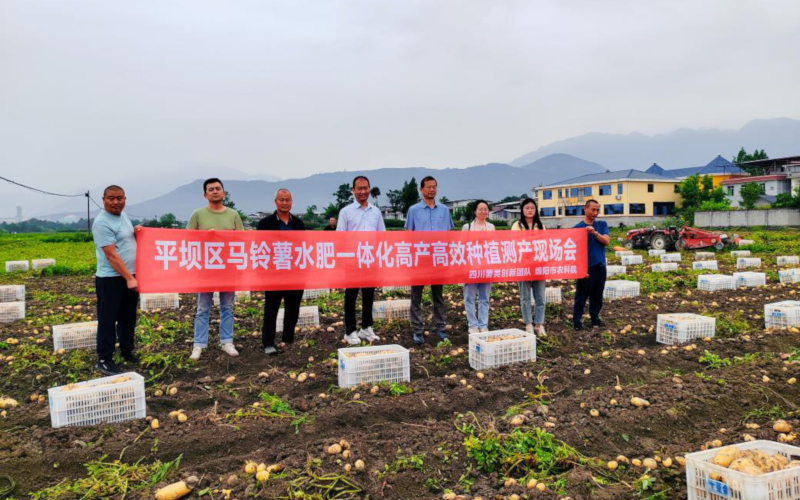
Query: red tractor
(672,237)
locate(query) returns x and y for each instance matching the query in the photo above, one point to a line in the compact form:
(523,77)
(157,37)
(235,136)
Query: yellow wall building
(620,193)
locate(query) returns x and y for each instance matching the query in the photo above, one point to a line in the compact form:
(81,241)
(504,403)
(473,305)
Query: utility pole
(88,218)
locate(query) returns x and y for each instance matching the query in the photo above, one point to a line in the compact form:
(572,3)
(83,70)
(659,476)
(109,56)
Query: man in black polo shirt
(281,220)
(331,224)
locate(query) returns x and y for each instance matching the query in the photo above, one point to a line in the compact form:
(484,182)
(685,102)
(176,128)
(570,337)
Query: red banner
(176,260)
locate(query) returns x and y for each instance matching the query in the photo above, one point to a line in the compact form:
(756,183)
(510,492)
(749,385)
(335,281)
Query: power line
(42,191)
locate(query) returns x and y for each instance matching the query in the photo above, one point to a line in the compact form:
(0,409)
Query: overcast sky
(98,89)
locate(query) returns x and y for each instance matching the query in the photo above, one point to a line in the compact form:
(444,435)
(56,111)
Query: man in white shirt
(359,216)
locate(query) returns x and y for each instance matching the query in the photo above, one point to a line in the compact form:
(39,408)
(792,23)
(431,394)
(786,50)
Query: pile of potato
(751,462)
(498,338)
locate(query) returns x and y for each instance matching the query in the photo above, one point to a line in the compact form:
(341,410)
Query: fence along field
(608,413)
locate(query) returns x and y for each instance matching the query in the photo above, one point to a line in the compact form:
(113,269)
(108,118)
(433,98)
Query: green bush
(394,223)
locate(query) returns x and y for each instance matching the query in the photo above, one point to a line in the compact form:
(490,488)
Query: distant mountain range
(493,182)
(681,148)
(549,164)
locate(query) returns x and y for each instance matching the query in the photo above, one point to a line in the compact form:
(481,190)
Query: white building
(771,187)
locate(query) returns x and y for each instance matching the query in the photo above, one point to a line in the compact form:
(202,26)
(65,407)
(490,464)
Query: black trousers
(116,316)
(272,303)
(590,288)
(350,297)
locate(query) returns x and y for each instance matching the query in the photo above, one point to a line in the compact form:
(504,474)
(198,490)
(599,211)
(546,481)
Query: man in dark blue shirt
(591,287)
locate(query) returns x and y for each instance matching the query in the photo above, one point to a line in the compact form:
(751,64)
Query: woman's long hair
(536,220)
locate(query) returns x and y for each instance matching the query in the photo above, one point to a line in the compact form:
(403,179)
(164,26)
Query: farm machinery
(673,237)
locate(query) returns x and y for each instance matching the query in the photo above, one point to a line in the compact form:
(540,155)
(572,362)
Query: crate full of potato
(372,364)
(102,400)
(501,347)
(755,470)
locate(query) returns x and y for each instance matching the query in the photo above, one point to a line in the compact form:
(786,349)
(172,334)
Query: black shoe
(108,367)
(419,339)
(598,323)
(131,358)
(577,327)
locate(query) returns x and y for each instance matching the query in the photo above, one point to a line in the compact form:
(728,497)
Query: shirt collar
(279,217)
(357,205)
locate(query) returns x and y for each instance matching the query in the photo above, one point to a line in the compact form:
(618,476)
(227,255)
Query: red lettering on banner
(174,260)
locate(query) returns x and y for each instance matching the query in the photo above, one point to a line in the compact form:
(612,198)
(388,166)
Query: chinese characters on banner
(176,260)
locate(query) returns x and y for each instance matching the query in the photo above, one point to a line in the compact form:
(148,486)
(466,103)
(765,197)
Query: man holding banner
(359,216)
(428,215)
(281,220)
(216,217)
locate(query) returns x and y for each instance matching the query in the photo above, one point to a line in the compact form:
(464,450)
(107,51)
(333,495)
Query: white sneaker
(529,328)
(368,334)
(196,353)
(470,331)
(539,330)
(483,330)
(229,349)
(352,338)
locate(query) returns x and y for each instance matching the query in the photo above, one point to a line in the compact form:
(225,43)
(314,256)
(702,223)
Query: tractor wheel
(659,242)
(719,245)
(680,245)
(628,244)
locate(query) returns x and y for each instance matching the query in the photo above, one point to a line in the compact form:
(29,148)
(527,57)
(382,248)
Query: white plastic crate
(747,262)
(631,260)
(749,279)
(707,265)
(789,275)
(678,328)
(552,295)
(612,270)
(620,253)
(392,309)
(75,336)
(734,485)
(714,282)
(788,260)
(153,301)
(704,256)
(664,267)
(740,253)
(655,253)
(42,263)
(620,289)
(309,316)
(12,311)
(239,297)
(396,289)
(108,399)
(501,347)
(671,257)
(12,293)
(17,265)
(746,242)
(782,314)
(315,293)
(372,364)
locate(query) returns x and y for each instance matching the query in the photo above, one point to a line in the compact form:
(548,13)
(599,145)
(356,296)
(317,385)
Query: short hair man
(218,217)
(281,220)
(591,287)
(331,224)
(115,281)
(427,215)
(359,216)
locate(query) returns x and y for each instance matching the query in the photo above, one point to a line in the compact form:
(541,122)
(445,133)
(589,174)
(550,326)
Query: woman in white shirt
(530,221)
(478,322)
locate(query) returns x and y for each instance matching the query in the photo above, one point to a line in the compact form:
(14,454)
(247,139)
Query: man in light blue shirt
(115,281)
(359,216)
(428,215)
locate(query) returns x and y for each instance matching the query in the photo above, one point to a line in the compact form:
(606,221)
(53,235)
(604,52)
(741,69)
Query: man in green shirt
(215,216)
